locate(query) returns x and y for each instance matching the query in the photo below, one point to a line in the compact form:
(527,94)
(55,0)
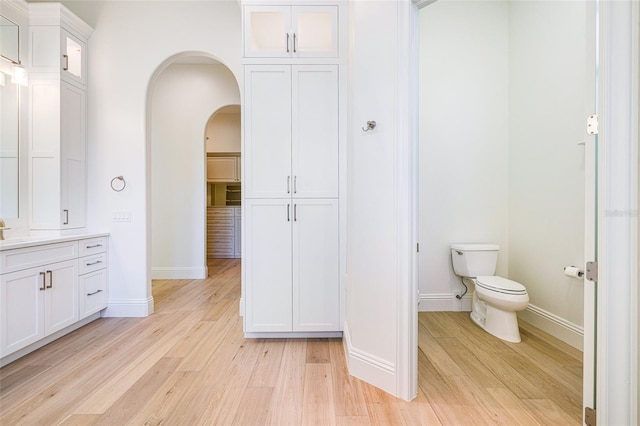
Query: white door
(73,163)
(315,31)
(315,131)
(61,295)
(267,136)
(21,309)
(266,32)
(316,284)
(268,265)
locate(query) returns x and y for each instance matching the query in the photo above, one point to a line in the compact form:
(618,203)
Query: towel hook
(370,126)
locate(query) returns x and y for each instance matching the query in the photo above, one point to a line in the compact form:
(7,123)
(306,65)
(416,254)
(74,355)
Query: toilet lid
(501,285)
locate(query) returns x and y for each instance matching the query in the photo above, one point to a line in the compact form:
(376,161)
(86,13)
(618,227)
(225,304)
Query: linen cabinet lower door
(268,265)
(61,295)
(21,309)
(316,287)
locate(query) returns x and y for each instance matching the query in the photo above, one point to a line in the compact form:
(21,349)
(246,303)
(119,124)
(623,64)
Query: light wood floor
(189,364)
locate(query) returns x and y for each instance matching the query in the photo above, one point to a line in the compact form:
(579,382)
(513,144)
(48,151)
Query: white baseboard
(556,326)
(367,367)
(241,307)
(444,302)
(129,308)
(178,273)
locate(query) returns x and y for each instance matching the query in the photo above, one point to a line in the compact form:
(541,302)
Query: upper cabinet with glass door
(58,43)
(291,31)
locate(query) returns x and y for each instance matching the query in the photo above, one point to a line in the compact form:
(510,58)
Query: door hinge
(589,416)
(592,124)
(592,271)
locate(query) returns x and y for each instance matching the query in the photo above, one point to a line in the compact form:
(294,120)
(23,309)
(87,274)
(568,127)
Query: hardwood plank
(80,420)
(317,407)
(286,405)
(317,351)
(348,397)
(254,406)
(267,369)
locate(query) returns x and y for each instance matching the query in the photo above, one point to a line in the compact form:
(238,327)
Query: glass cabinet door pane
(74,58)
(268,31)
(314,32)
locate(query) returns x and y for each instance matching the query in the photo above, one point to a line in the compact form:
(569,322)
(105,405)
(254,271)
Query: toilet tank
(474,260)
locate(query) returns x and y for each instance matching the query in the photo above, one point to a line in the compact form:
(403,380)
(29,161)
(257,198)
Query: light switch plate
(121,216)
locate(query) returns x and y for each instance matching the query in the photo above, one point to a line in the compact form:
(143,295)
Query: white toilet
(496,299)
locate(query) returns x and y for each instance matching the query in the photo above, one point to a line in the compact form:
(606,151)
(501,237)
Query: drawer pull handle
(94,263)
(95,292)
(66,220)
(66,63)
(95,246)
(50,273)
(44,287)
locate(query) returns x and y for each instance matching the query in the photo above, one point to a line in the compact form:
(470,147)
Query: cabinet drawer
(238,211)
(92,246)
(29,257)
(93,292)
(222,232)
(92,263)
(221,221)
(220,212)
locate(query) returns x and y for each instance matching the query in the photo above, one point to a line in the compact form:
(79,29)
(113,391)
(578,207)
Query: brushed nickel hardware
(295,212)
(97,245)
(288,184)
(44,286)
(95,292)
(287,42)
(295,184)
(592,271)
(288,208)
(94,263)
(118,186)
(370,126)
(294,43)
(66,63)
(50,273)
(66,220)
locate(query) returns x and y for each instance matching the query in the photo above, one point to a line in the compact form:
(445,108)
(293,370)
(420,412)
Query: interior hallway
(189,364)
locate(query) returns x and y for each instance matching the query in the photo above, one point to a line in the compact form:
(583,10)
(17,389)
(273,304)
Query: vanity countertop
(30,241)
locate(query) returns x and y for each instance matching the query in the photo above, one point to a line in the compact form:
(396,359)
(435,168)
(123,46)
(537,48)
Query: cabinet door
(267,135)
(316,286)
(72,156)
(266,31)
(315,131)
(21,309)
(73,63)
(222,169)
(268,265)
(316,31)
(61,295)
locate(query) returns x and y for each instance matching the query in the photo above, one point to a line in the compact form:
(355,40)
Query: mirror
(9,40)
(9,122)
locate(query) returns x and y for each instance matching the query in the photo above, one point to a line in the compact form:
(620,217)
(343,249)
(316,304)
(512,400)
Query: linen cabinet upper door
(315,131)
(266,32)
(315,31)
(267,144)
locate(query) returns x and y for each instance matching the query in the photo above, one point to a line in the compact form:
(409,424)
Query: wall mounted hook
(370,126)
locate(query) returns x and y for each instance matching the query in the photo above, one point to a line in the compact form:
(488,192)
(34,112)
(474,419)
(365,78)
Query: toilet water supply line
(459,296)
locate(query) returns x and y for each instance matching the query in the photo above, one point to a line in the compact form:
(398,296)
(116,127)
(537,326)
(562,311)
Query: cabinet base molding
(180,273)
(129,308)
(370,368)
(296,335)
(40,343)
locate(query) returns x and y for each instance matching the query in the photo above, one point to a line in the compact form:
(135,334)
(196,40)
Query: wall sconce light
(19,75)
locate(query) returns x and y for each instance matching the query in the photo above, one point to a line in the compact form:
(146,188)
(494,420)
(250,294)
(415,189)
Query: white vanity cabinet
(299,31)
(43,291)
(57,117)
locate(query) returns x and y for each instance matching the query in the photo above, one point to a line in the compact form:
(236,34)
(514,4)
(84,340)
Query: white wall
(131,40)
(548,97)
(223,132)
(183,99)
(463,140)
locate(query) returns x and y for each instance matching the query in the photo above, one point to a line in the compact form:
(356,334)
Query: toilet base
(502,324)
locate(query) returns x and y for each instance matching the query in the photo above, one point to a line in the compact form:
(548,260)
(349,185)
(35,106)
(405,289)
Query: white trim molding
(133,308)
(556,326)
(617,298)
(445,302)
(368,367)
(178,273)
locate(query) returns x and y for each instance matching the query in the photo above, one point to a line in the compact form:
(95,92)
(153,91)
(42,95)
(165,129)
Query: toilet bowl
(496,299)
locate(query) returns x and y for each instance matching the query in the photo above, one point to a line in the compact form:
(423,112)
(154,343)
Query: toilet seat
(500,285)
